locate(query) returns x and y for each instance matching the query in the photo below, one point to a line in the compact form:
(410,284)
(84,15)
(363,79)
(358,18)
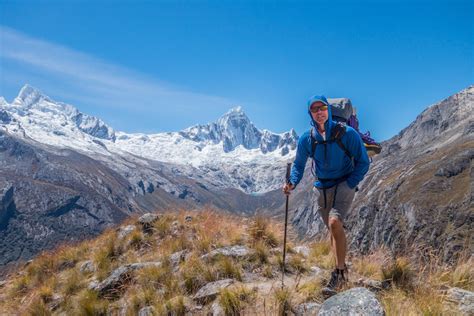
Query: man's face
(319,112)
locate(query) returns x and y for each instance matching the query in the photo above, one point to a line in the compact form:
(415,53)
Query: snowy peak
(36,108)
(235,129)
(28,96)
(94,126)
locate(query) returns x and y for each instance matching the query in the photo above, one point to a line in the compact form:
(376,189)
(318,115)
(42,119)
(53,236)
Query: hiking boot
(337,280)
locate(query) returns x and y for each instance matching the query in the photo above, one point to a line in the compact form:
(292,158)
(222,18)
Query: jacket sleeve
(302,154)
(357,149)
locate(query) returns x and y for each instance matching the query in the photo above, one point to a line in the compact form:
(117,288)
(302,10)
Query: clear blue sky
(165,65)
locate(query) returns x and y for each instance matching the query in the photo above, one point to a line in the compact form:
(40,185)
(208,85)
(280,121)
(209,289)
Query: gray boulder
(125,231)
(147,220)
(216,309)
(463,298)
(177,257)
(316,270)
(356,301)
(307,309)
(210,290)
(373,285)
(113,283)
(147,311)
(303,250)
(231,251)
(87,267)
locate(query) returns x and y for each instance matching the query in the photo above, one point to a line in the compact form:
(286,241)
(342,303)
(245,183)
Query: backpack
(343,112)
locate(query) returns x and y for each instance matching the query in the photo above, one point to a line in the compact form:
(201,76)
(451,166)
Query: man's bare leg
(338,241)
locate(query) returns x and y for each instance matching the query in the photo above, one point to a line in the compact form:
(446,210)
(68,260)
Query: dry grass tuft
(259,230)
(298,263)
(311,290)
(400,273)
(228,268)
(284,300)
(370,266)
(261,253)
(176,306)
(320,254)
(195,273)
(234,300)
(38,308)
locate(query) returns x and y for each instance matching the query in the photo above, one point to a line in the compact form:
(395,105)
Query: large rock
(463,298)
(216,309)
(303,250)
(177,257)
(87,267)
(231,251)
(125,231)
(210,290)
(147,220)
(113,283)
(356,301)
(307,309)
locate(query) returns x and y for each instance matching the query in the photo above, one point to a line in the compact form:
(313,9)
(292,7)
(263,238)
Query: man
(339,166)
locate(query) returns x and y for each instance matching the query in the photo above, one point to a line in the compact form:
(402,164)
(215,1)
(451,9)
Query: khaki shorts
(338,208)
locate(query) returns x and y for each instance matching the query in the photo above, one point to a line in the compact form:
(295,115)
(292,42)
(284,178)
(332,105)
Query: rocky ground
(208,263)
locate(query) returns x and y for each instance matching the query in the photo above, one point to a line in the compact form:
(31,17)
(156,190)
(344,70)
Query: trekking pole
(288,170)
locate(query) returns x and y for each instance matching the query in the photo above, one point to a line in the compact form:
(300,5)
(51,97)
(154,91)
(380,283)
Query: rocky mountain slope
(207,263)
(60,168)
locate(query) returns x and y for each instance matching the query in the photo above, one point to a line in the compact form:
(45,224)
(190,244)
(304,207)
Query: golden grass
(72,282)
(298,263)
(261,253)
(228,268)
(87,303)
(283,298)
(167,289)
(321,255)
(259,230)
(423,301)
(267,271)
(195,273)
(234,300)
(37,308)
(311,290)
(176,306)
(463,275)
(370,266)
(400,273)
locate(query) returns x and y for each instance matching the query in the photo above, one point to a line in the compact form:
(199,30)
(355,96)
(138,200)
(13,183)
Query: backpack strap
(338,131)
(314,142)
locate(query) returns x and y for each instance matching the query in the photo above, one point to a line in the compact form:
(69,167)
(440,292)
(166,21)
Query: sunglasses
(316,109)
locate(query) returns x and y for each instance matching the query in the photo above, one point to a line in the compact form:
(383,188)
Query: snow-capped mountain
(231,152)
(66,175)
(40,110)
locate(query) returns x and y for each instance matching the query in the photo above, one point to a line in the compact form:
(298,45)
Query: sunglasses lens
(319,108)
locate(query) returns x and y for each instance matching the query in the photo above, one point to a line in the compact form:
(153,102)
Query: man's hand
(287,188)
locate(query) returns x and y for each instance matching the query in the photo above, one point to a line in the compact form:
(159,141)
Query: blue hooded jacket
(331,161)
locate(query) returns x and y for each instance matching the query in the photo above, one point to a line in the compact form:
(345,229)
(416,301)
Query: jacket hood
(329,123)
